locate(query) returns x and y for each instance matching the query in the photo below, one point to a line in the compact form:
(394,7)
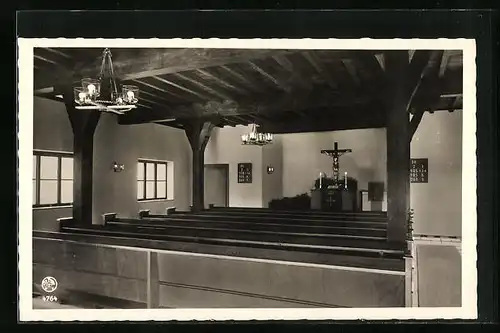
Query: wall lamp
(118,167)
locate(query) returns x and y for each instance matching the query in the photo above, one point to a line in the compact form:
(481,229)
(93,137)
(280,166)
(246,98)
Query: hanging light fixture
(256,138)
(102,93)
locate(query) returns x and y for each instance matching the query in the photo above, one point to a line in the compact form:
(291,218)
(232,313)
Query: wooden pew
(248,237)
(273,219)
(279,211)
(298,214)
(215,222)
(255,228)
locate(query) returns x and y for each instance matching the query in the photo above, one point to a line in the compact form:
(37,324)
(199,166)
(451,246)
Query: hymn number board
(419,170)
(244,172)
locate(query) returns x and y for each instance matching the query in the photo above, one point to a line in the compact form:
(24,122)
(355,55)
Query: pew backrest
(144,213)
(108,217)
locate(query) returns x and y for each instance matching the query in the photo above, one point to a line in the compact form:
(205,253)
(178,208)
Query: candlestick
(345,180)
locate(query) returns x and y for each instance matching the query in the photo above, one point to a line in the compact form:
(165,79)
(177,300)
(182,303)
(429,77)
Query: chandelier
(256,138)
(102,93)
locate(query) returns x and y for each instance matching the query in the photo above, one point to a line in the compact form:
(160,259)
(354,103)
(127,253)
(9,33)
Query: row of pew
(350,239)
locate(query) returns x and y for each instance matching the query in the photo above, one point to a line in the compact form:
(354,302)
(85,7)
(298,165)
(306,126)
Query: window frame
(59,155)
(155,197)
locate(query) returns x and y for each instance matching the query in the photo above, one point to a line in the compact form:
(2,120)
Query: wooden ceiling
(282,90)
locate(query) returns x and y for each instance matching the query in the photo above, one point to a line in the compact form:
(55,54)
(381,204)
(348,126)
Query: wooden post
(84,123)
(398,145)
(153,281)
(198,133)
(408,282)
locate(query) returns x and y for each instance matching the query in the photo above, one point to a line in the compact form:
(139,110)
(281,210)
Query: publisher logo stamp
(49,284)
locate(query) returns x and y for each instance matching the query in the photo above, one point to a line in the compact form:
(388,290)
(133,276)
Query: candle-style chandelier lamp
(102,93)
(255,138)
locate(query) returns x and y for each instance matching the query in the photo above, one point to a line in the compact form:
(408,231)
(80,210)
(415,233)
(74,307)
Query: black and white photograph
(196,179)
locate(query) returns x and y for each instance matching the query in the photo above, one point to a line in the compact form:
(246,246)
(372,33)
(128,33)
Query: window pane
(161,171)
(48,192)
(150,171)
(34,167)
(161,189)
(48,167)
(66,191)
(34,192)
(140,171)
(140,189)
(150,189)
(67,168)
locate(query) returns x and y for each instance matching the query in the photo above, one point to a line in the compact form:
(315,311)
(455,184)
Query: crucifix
(335,154)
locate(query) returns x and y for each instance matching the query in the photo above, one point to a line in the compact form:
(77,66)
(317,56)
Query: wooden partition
(173,279)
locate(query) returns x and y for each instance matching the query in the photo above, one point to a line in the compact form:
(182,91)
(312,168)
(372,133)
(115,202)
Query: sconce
(270,169)
(118,167)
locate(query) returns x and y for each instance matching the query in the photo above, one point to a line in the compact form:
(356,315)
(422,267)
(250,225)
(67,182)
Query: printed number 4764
(50,298)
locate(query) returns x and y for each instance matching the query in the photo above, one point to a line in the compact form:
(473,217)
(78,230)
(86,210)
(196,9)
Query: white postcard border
(469,216)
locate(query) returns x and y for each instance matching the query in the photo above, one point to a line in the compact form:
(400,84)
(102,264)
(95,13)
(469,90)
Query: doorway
(216,189)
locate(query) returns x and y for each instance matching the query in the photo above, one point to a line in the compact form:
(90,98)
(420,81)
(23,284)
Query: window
(152,180)
(52,179)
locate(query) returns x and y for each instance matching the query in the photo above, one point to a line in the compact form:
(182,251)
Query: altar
(335,194)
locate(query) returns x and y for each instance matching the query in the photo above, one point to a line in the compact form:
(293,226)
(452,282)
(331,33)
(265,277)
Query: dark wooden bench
(326,217)
(273,219)
(225,223)
(279,211)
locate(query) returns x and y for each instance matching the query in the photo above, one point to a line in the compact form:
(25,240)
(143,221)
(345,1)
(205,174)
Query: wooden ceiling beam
(135,65)
(160,89)
(444,63)
(46,60)
(151,101)
(156,97)
(273,78)
(295,78)
(206,88)
(144,106)
(221,82)
(56,51)
(241,78)
(381,60)
(173,84)
(330,119)
(284,62)
(271,105)
(320,69)
(351,69)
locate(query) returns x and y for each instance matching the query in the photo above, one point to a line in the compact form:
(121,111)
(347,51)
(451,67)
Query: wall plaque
(419,170)
(244,172)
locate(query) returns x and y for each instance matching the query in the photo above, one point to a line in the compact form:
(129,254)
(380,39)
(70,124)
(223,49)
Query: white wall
(114,192)
(272,184)
(224,147)
(438,204)
(303,161)
(117,192)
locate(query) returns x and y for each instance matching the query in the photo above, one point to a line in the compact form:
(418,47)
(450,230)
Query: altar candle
(345,180)
(320,178)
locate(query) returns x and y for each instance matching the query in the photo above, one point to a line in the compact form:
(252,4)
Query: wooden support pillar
(84,123)
(153,281)
(198,134)
(398,145)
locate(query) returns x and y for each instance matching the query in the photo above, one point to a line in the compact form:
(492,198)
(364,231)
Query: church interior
(247,178)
